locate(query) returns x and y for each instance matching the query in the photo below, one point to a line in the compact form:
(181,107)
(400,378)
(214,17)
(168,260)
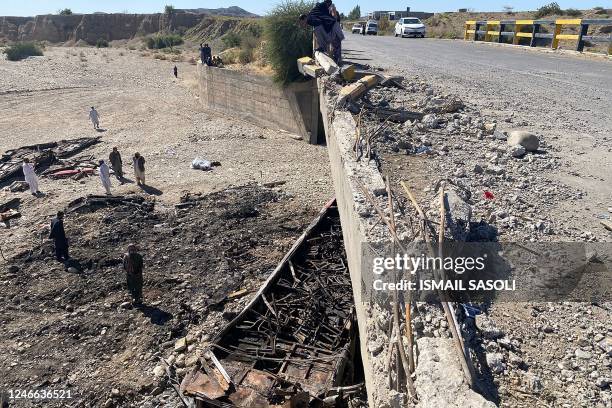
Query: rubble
(41,155)
(294,340)
(228,241)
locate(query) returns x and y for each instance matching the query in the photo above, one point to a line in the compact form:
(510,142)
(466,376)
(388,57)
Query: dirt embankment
(91,27)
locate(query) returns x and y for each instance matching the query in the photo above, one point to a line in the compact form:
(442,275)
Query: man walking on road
(139,169)
(116,164)
(30,176)
(58,235)
(133,265)
(105,177)
(94,117)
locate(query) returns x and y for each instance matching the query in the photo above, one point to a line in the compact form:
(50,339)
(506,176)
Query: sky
(34,7)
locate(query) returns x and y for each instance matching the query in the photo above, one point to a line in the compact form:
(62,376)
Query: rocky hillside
(232,11)
(91,27)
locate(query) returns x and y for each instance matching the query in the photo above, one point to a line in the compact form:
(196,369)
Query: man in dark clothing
(116,163)
(175,72)
(133,265)
(58,235)
(206,55)
(323,23)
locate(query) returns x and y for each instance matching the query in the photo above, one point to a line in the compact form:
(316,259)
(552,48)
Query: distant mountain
(233,11)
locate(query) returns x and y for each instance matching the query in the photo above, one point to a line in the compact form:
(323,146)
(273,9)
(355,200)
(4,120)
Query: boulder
(524,138)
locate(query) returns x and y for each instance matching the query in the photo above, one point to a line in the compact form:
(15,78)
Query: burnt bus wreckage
(294,344)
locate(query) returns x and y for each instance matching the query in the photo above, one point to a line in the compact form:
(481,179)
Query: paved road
(575,82)
(565,98)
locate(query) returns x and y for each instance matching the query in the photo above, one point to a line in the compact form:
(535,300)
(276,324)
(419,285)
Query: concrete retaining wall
(440,381)
(257,99)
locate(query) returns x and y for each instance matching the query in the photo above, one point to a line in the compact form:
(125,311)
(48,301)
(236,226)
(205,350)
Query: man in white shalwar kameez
(94,117)
(30,176)
(105,177)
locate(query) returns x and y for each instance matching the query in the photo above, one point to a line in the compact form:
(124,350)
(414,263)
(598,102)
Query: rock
(13,269)
(495,361)
(488,329)
(606,345)
(534,384)
(459,172)
(159,371)
(115,392)
(478,169)
(493,169)
(430,121)
(499,135)
(526,139)
(518,151)
(375,347)
(584,355)
(191,361)
(602,382)
(180,345)
(490,127)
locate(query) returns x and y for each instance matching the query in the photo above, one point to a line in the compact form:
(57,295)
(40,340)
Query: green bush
(65,12)
(161,41)
(286,41)
(102,43)
(230,40)
(21,51)
(573,12)
(547,10)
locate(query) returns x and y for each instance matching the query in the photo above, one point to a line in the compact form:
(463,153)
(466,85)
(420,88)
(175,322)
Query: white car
(357,28)
(372,28)
(410,26)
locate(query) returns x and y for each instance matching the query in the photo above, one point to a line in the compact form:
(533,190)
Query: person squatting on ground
(94,116)
(116,163)
(105,177)
(133,265)
(58,235)
(327,29)
(30,176)
(139,168)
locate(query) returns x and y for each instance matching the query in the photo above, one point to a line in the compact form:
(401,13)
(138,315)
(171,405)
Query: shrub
(285,40)
(161,41)
(101,43)
(21,51)
(169,9)
(65,12)
(231,40)
(245,55)
(573,12)
(547,10)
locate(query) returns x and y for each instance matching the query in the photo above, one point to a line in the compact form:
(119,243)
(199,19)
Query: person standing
(139,169)
(337,35)
(30,176)
(58,235)
(323,23)
(94,117)
(175,72)
(133,265)
(116,163)
(105,176)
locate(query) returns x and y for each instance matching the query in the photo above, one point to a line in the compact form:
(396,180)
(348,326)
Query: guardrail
(500,30)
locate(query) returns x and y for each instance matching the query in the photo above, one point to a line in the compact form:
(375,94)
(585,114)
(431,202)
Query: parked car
(357,28)
(372,28)
(410,26)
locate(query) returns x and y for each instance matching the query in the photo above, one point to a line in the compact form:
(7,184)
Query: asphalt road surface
(565,98)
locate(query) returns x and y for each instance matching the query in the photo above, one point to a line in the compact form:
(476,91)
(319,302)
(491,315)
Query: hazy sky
(33,7)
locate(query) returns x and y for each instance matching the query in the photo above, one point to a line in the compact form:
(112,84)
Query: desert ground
(67,331)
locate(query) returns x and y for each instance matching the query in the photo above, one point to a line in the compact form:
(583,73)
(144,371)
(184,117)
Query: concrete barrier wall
(439,377)
(258,100)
